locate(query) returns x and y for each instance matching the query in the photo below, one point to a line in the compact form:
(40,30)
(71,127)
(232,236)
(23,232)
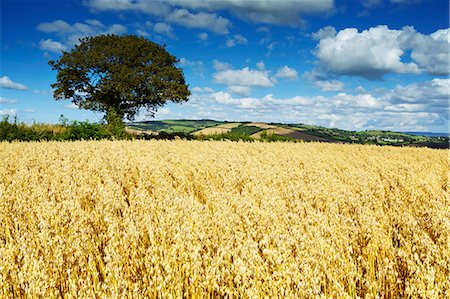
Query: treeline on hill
(11,129)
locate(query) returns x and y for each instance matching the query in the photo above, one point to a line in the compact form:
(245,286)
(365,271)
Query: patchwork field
(294,134)
(211,131)
(164,219)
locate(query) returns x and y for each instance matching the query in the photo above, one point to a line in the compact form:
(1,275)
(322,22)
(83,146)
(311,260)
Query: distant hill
(431,134)
(213,129)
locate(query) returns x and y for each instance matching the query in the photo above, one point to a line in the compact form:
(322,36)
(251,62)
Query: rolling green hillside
(294,132)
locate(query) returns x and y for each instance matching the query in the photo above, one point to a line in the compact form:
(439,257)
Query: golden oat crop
(170,219)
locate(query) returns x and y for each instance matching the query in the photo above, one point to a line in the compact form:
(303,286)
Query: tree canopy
(119,75)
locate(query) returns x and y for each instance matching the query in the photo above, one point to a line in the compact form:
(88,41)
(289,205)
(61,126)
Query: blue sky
(376,64)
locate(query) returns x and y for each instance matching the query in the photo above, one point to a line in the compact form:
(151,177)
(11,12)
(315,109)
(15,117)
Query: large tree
(119,75)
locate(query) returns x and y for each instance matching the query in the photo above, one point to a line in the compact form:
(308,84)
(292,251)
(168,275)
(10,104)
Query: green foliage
(119,75)
(168,136)
(115,125)
(226,136)
(270,137)
(13,130)
(246,130)
(186,126)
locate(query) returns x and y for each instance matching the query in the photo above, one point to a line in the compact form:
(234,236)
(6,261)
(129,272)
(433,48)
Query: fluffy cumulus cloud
(379,50)
(244,77)
(328,31)
(265,11)
(370,53)
(433,94)
(200,20)
(6,82)
(240,81)
(286,72)
(51,46)
(153,7)
(432,52)
(410,107)
(165,29)
(69,34)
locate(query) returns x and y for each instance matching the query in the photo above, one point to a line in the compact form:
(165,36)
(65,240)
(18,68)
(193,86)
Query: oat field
(172,219)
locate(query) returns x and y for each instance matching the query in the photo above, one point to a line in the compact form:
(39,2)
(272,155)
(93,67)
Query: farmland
(293,132)
(223,219)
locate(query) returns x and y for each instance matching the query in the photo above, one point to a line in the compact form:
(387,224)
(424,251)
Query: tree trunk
(114,118)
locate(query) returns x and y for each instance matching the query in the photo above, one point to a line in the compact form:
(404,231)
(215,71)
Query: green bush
(270,137)
(246,130)
(233,136)
(11,129)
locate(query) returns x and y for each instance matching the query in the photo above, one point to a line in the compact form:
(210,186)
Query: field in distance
(251,130)
(196,219)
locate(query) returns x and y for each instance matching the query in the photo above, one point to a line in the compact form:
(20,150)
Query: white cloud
(57,26)
(240,90)
(5,82)
(158,8)
(435,94)
(71,106)
(7,101)
(328,31)
(203,36)
(379,50)
(186,62)
(143,33)
(370,53)
(271,12)
(357,101)
(44,92)
(202,89)
(51,45)
(260,65)
(417,106)
(243,77)
(201,20)
(163,28)
(113,29)
(8,111)
(286,72)
(220,65)
(197,89)
(164,111)
(329,85)
(432,52)
(69,34)
(236,39)
(29,110)
(321,81)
